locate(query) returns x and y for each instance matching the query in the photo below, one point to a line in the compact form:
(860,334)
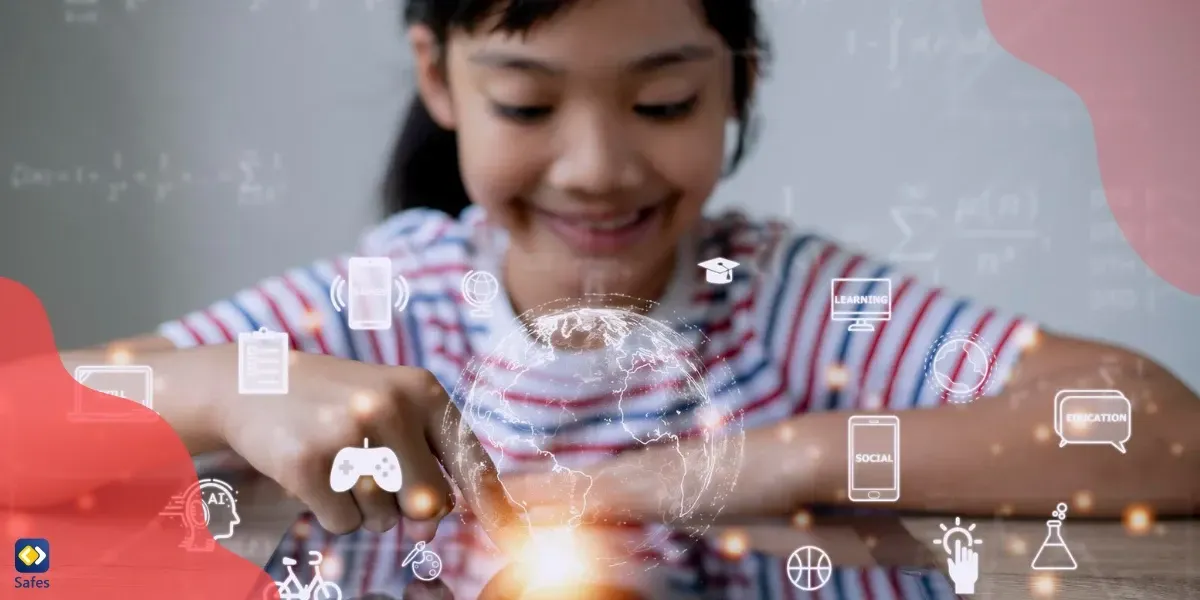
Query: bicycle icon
(317,588)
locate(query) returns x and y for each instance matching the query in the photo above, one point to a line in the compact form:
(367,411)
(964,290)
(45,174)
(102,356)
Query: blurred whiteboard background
(163,154)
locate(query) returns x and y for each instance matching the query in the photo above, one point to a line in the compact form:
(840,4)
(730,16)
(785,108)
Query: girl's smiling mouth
(605,233)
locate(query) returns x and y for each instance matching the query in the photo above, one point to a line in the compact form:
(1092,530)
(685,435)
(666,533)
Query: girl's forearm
(186,384)
(1001,456)
(189,386)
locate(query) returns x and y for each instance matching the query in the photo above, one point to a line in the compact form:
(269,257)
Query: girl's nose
(596,158)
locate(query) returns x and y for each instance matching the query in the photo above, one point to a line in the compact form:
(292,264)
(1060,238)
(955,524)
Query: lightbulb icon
(958,529)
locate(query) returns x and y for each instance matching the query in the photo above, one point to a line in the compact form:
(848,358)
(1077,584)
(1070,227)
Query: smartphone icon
(370,284)
(874,458)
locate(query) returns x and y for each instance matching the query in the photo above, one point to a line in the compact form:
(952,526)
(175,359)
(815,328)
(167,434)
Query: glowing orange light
(364,404)
(312,321)
(711,418)
(1138,519)
(1027,337)
(870,541)
(1041,433)
(734,543)
(872,401)
(786,432)
(552,558)
(325,414)
(997,449)
(1043,585)
(1083,501)
(802,519)
(1016,546)
(421,501)
(301,529)
(1079,427)
(1151,408)
(1006,510)
(836,377)
(119,355)
(331,567)
(1177,449)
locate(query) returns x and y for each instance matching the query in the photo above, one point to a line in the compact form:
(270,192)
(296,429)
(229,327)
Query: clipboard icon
(263,362)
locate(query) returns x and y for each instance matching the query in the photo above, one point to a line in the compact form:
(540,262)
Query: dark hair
(423,171)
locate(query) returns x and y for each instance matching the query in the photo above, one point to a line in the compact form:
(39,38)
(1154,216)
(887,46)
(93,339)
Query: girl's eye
(521,114)
(667,112)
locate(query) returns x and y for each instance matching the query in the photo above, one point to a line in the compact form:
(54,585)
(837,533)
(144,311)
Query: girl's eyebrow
(650,62)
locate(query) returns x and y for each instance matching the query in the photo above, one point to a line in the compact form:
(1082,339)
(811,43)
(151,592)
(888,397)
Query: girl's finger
(336,512)
(476,477)
(427,590)
(424,494)
(378,506)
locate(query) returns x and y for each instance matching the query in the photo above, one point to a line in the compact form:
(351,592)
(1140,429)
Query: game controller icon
(351,463)
(426,569)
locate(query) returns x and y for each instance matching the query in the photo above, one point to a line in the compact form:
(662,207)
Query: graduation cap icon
(719,270)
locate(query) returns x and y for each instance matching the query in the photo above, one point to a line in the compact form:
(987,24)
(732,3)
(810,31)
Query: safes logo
(31,555)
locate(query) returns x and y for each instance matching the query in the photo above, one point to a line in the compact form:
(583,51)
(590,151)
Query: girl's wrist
(207,387)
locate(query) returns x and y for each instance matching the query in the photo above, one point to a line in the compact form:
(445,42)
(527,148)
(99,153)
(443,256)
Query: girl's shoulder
(419,230)
(754,242)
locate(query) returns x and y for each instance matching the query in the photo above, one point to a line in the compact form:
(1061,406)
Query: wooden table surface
(1113,564)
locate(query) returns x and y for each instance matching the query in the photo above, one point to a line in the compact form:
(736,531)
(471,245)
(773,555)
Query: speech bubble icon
(1093,417)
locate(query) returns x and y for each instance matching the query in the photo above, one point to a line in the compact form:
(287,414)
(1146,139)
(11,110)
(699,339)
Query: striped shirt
(765,346)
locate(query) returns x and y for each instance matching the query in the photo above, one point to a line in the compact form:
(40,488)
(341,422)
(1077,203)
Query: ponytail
(423,170)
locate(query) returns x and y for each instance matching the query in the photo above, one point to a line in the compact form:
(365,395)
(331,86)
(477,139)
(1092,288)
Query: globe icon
(809,568)
(479,289)
(966,379)
(579,372)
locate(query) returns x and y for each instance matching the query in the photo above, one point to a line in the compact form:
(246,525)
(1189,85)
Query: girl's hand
(334,404)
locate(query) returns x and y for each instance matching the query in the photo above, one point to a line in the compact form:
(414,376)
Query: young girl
(570,147)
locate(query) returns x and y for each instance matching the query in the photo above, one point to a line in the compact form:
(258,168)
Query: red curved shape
(110,542)
(1134,64)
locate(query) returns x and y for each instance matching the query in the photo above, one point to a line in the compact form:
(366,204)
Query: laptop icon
(131,382)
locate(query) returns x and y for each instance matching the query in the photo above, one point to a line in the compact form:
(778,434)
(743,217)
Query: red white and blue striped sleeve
(828,367)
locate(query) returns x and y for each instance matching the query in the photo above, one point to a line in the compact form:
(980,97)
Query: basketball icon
(809,568)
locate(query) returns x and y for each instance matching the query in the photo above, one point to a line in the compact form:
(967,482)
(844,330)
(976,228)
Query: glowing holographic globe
(961,366)
(574,383)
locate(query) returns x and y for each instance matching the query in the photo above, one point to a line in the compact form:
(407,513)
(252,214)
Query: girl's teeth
(614,223)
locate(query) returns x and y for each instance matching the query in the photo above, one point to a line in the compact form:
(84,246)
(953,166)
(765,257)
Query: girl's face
(594,139)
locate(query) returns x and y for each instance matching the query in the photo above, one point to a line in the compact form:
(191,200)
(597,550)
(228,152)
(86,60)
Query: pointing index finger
(476,476)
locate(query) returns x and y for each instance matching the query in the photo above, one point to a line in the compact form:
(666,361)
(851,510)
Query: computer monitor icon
(131,382)
(861,301)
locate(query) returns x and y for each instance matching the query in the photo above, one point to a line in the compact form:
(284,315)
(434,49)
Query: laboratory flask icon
(1054,554)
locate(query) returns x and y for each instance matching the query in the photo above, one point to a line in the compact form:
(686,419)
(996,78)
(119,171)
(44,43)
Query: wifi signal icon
(372,307)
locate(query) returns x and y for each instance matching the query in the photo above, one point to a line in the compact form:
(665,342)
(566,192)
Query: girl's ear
(431,75)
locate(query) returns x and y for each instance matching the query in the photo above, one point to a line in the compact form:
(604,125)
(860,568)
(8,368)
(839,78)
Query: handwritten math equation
(87,12)
(900,44)
(1120,280)
(998,227)
(258,180)
(315,5)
